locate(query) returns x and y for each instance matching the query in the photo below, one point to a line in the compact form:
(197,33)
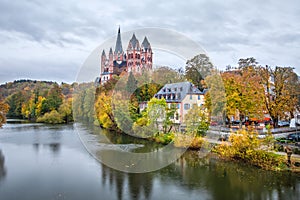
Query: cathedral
(136,59)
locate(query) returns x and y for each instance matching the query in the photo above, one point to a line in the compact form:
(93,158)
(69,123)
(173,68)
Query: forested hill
(31,99)
(10,88)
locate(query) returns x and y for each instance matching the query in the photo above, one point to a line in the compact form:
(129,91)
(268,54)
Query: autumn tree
(244,93)
(281,87)
(103,111)
(4,107)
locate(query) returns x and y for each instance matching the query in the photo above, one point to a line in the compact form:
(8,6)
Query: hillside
(10,88)
(32,99)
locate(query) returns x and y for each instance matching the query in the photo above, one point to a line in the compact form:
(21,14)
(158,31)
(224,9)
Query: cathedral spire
(118,48)
(103,53)
(146,43)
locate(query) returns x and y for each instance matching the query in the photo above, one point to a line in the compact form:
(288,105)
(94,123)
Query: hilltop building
(136,59)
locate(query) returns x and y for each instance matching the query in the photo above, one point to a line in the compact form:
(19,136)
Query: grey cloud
(224,28)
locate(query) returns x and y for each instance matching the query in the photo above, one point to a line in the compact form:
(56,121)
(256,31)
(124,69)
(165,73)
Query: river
(43,162)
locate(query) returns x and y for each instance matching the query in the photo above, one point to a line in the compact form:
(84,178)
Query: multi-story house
(184,95)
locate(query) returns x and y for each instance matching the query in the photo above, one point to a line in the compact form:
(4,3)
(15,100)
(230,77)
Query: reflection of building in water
(136,59)
(2,168)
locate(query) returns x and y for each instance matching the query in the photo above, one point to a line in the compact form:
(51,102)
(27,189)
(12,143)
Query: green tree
(65,110)
(131,84)
(54,98)
(247,62)
(215,97)
(197,69)
(164,75)
(196,121)
(84,102)
(160,114)
(15,102)
(156,111)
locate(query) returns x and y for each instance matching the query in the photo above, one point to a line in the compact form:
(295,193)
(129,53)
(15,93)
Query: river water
(46,162)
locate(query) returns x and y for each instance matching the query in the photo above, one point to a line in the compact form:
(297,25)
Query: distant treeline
(41,101)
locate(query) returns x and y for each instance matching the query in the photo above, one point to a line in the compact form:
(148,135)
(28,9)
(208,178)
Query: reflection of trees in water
(229,180)
(55,147)
(222,180)
(2,168)
(139,185)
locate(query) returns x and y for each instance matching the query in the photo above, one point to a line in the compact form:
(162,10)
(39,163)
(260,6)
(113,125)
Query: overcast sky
(50,40)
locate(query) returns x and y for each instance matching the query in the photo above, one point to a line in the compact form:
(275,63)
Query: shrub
(164,138)
(246,146)
(51,118)
(188,141)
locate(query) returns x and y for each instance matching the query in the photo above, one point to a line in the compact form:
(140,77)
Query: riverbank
(244,146)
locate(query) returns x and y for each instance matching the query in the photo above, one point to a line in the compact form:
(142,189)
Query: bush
(164,138)
(246,146)
(188,141)
(51,118)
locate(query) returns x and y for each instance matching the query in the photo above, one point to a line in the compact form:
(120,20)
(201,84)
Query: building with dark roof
(184,94)
(136,59)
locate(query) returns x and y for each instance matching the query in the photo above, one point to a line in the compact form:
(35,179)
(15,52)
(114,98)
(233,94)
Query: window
(186,106)
(178,106)
(199,97)
(180,89)
(176,116)
(191,97)
(175,89)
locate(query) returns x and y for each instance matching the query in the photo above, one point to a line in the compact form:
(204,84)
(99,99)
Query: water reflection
(197,177)
(138,186)
(55,147)
(227,180)
(50,163)
(2,167)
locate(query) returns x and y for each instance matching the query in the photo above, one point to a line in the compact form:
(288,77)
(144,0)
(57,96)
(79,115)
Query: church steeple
(118,48)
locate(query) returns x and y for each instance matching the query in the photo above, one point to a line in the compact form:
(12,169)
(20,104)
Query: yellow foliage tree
(3,110)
